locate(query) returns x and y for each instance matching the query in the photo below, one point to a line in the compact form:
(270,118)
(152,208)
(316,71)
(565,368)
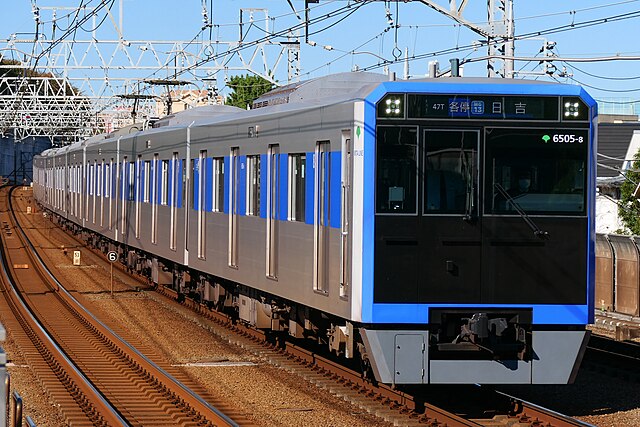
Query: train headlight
(571,109)
(391,106)
(574,109)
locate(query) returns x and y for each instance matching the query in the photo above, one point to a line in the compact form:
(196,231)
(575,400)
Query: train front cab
(483,236)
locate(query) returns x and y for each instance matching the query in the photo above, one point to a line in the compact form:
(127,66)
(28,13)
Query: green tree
(246,89)
(629,207)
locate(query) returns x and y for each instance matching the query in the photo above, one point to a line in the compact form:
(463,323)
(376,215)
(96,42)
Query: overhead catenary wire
(595,76)
(78,23)
(605,89)
(553,30)
(349,9)
(274,35)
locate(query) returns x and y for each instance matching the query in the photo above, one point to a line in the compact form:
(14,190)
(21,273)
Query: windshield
(396,168)
(541,171)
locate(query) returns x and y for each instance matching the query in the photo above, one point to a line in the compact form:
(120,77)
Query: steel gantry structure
(84,86)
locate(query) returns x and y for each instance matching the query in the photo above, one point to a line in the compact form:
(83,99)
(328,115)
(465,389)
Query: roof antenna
(455,67)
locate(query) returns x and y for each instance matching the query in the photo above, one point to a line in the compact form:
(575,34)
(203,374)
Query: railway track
(617,358)
(399,407)
(97,378)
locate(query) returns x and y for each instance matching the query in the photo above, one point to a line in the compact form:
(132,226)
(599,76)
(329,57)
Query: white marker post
(112,256)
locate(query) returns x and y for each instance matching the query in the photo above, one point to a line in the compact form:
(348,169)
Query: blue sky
(380,29)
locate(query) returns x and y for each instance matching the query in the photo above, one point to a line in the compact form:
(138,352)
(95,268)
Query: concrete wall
(16,159)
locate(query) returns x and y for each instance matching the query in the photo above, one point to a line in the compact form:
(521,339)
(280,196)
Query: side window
(147,181)
(192,184)
(253,185)
(396,170)
(165,183)
(218,184)
(123,181)
(132,180)
(183,168)
(107,178)
(297,165)
(99,186)
(202,180)
(90,183)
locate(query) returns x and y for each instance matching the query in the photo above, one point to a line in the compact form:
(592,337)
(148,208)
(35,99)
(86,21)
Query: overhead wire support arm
(454,12)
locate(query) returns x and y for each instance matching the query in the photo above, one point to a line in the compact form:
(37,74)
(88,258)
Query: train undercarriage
(457,346)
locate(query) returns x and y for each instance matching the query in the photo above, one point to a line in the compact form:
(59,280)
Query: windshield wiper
(532,225)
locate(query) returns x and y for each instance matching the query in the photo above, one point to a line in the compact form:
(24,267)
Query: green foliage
(246,89)
(629,209)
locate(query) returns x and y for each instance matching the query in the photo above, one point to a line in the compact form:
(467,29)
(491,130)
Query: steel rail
(525,412)
(76,380)
(201,406)
(190,398)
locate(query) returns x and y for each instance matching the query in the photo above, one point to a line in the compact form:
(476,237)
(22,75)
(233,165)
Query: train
(432,231)
(618,276)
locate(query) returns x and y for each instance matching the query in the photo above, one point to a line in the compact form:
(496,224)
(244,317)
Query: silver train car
(386,220)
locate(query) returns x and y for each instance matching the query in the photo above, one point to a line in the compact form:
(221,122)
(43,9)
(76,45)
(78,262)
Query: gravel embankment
(274,396)
(154,324)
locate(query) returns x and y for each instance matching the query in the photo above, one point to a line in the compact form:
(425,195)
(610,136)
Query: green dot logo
(546,138)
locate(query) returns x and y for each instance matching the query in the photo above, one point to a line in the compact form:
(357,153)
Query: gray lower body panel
(402,357)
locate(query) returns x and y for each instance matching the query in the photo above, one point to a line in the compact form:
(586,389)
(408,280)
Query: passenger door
(234,165)
(397,225)
(450,231)
(321,218)
(273,204)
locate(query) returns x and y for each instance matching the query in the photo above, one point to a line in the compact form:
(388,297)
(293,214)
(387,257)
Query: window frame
(488,173)
(253,178)
(475,166)
(218,183)
(292,197)
(164,182)
(418,165)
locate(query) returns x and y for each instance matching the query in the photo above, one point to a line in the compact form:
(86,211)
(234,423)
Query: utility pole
(499,31)
(501,38)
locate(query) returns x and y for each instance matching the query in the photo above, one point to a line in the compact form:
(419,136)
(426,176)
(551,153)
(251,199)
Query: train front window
(450,172)
(540,171)
(396,169)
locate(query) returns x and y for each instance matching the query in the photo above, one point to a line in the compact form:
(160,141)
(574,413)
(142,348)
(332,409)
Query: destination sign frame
(483,107)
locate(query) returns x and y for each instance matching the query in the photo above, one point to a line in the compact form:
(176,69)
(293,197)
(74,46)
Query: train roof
(197,114)
(341,86)
(331,90)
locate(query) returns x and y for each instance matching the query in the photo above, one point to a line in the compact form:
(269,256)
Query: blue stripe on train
(284,188)
(196,184)
(335,194)
(171,179)
(180,180)
(227,161)
(309,191)
(158,181)
(264,168)
(241,203)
